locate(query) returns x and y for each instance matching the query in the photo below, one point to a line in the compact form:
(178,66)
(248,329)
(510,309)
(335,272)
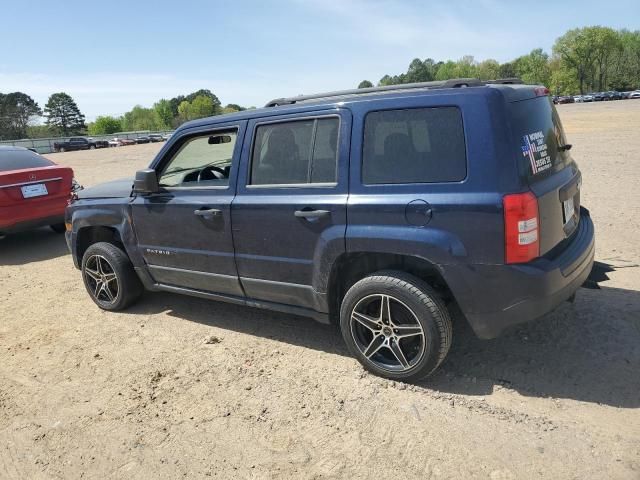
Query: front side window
(298,152)
(201,161)
(422,145)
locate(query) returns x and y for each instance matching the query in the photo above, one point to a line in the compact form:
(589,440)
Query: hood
(115,189)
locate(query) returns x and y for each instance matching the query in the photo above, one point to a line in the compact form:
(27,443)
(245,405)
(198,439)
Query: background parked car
(34,191)
(635,94)
(577,99)
(587,98)
(78,143)
(156,137)
(565,99)
(143,139)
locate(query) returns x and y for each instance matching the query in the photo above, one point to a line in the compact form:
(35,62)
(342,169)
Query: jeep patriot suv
(378,209)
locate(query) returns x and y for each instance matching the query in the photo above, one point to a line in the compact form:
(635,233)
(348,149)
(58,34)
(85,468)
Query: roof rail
(452,83)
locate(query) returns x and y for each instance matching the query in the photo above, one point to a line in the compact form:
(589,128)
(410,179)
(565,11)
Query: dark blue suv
(378,209)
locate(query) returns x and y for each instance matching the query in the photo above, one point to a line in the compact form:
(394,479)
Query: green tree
(606,44)
(38,131)
(575,50)
(624,69)
(488,70)
(164,113)
(235,107)
(200,107)
(365,84)
(63,115)
(533,68)
(140,118)
(105,125)
(17,112)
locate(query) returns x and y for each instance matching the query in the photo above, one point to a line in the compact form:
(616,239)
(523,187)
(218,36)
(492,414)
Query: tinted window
(537,135)
(19,159)
(295,152)
(204,160)
(423,145)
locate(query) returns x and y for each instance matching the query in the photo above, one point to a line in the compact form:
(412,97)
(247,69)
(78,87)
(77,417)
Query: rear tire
(396,325)
(92,147)
(109,277)
(58,227)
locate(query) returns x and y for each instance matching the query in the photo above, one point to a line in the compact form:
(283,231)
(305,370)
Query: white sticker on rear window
(534,147)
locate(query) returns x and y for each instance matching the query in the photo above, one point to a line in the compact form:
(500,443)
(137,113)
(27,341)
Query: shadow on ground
(587,351)
(32,246)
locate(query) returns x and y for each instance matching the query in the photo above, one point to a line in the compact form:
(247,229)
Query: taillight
(541,91)
(521,227)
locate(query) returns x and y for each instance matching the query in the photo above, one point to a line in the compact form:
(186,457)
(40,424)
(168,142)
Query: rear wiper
(564,148)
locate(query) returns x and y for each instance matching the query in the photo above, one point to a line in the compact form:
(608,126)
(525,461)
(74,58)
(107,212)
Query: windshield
(538,137)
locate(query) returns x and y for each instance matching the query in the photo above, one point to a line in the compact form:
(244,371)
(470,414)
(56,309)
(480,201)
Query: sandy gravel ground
(184,388)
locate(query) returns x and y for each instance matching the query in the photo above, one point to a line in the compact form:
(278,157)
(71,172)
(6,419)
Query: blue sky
(112,55)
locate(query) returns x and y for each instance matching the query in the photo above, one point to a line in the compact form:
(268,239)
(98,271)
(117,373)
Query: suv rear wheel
(395,325)
(109,277)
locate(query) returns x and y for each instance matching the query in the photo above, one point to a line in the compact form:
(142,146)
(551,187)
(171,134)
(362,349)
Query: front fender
(103,213)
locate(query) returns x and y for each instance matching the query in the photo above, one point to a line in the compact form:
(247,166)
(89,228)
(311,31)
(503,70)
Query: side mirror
(146,181)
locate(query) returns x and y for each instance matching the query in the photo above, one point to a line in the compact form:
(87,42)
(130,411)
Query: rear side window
(537,135)
(297,152)
(19,159)
(422,145)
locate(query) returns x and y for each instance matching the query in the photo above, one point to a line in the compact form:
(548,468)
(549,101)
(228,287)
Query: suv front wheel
(395,325)
(109,277)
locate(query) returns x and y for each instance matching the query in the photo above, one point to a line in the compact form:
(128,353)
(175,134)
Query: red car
(33,191)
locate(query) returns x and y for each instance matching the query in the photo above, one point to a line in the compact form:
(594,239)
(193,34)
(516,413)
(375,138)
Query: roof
(12,148)
(512,88)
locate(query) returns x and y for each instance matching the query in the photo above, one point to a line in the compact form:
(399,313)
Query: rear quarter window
(20,159)
(538,133)
(422,145)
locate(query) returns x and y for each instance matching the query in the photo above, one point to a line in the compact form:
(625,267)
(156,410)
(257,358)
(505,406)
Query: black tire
(122,290)
(58,227)
(61,150)
(92,147)
(408,297)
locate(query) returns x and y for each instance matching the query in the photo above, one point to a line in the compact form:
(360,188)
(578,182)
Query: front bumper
(494,297)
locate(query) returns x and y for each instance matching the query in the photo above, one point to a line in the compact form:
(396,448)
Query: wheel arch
(353,266)
(87,236)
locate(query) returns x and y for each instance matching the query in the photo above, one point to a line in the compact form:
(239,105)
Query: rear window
(19,159)
(422,145)
(537,135)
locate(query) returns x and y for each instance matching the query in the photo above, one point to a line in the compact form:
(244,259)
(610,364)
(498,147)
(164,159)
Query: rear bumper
(494,297)
(31,224)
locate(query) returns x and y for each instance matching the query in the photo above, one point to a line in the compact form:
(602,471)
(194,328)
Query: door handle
(311,213)
(208,212)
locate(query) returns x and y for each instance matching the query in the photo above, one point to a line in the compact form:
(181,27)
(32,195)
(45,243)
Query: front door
(184,230)
(289,217)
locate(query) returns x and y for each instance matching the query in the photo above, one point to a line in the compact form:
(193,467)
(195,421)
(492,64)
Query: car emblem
(32,177)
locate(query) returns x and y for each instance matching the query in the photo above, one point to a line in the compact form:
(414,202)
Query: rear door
(184,230)
(289,217)
(547,167)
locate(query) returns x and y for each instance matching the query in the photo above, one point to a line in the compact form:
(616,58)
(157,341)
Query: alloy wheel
(101,279)
(387,333)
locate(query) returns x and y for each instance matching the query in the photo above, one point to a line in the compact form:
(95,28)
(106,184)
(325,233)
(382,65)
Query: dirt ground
(183,387)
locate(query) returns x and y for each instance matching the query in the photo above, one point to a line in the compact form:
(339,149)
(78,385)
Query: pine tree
(63,114)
